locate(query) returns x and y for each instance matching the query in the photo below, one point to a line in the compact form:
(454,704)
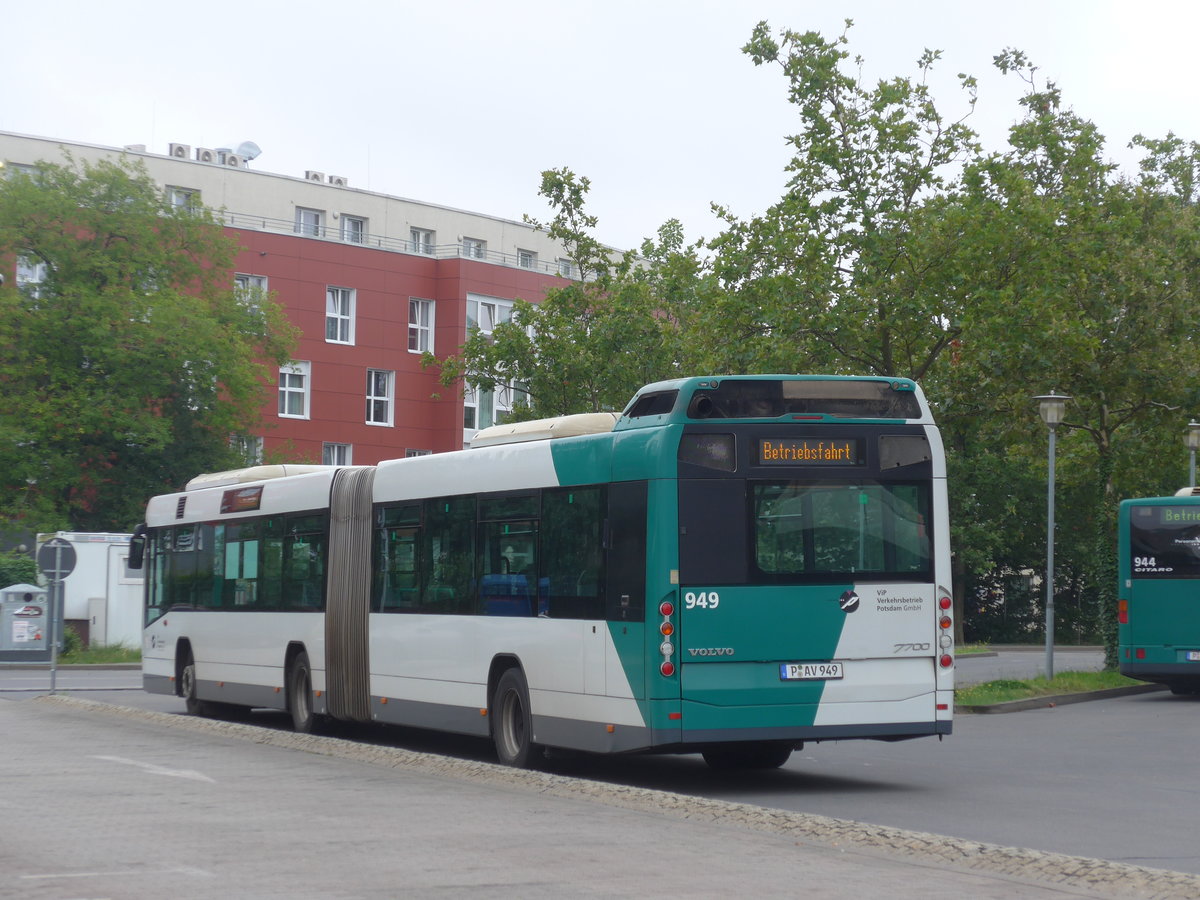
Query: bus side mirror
(137,547)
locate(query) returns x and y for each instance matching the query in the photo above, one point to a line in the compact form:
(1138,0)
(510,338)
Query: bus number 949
(703,600)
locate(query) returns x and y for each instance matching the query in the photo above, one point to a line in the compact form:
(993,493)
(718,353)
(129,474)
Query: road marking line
(159,770)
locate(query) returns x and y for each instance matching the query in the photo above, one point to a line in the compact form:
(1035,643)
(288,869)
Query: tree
(128,358)
(1083,282)
(838,275)
(589,344)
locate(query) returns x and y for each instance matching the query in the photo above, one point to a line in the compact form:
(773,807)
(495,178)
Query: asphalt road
(103,801)
(1107,779)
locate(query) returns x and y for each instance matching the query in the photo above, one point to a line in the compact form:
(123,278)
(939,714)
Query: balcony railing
(392,244)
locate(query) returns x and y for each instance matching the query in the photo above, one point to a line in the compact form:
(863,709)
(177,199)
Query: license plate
(810,671)
(1193,656)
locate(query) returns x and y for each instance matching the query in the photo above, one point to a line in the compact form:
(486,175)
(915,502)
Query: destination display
(810,452)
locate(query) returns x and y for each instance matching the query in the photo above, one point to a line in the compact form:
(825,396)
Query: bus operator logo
(848,601)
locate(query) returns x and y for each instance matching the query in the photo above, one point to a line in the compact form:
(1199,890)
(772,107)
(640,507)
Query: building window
(422,241)
(565,268)
(474,248)
(336,454)
(31,275)
(251,290)
(339,315)
(526,259)
(249,447)
(308,221)
(294,384)
(420,326)
(483,409)
(183,198)
(354,230)
(485,313)
(379,396)
(409,454)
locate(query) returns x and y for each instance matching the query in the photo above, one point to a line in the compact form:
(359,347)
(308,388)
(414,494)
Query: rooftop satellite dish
(248,150)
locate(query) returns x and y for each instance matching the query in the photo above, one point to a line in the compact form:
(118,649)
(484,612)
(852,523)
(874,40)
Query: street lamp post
(1051,407)
(1191,440)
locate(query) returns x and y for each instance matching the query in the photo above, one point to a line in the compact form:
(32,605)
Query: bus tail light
(945,603)
(944,622)
(946,660)
(667,668)
(1140,653)
(667,629)
(1123,612)
(666,607)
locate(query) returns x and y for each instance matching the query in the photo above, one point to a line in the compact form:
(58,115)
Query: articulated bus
(1158,600)
(732,566)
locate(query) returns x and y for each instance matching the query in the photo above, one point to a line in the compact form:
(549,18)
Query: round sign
(56,559)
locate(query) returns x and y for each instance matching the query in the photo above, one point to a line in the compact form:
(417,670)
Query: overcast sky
(464,103)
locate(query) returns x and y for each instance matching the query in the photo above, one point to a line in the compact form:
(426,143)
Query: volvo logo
(711,651)
(848,601)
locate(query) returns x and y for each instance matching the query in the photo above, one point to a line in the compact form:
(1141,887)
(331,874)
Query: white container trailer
(102,597)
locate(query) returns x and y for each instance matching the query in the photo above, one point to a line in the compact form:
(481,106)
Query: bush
(17,568)
(72,642)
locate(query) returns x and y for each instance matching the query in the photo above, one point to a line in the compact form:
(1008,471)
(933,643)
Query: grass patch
(117,653)
(1064,683)
(971,649)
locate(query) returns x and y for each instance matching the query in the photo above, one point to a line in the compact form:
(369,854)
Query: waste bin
(24,624)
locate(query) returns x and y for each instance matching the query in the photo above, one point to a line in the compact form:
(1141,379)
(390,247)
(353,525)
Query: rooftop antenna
(248,150)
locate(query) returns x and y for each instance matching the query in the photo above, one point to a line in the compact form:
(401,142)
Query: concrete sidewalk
(109,801)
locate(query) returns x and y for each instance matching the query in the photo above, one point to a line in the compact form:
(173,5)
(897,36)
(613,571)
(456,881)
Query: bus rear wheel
(299,695)
(187,686)
(512,725)
(748,756)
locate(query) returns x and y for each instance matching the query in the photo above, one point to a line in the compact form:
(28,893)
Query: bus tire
(187,686)
(748,756)
(512,723)
(299,695)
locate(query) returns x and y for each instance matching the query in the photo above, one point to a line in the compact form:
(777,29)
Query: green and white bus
(1158,601)
(731,566)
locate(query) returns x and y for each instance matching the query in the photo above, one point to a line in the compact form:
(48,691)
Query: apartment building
(371,280)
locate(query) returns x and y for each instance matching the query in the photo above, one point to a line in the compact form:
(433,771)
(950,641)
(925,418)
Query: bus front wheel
(300,699)
(512,725)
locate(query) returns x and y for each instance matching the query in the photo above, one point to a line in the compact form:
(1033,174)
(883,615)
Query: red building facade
(372,281)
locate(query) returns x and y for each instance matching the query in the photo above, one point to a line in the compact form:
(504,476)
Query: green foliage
(903,247)
(17,568)
(128,367)
(72,643)
(589,344)
(78,655)
(841,275)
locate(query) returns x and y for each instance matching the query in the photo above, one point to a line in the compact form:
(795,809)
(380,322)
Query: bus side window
(447,556)
(572,576)
(304,563)
(270,581)
(625,587)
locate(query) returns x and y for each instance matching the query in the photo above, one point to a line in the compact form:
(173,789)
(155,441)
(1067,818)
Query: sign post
(56,559)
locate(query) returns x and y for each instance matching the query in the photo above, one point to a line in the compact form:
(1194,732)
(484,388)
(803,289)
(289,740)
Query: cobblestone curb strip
(1098,877)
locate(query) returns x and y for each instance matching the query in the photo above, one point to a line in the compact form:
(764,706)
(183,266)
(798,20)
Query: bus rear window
(1164,541)
(839,529)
